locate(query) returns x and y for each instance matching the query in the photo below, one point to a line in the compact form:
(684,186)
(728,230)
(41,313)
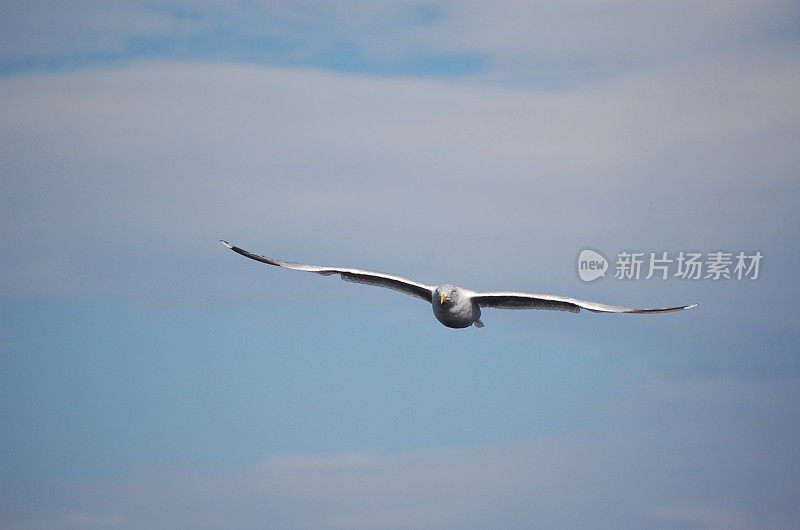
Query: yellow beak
(444,297)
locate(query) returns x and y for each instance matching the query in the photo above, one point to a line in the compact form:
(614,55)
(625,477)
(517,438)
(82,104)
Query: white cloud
(112,172)
(582,40)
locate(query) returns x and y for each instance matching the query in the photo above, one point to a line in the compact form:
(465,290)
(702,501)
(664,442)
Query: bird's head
(445,294)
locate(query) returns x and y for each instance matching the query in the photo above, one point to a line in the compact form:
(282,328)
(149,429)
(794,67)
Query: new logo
(591,265)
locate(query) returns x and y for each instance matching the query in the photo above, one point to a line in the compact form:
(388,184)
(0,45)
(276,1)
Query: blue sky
(151,378)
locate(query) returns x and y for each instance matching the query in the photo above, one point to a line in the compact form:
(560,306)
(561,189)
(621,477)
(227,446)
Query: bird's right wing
(515,300)
(380,279)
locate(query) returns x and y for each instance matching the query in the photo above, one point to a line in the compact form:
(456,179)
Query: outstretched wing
(398,283)
(514,300)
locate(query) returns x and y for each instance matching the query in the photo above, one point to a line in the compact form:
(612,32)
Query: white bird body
(456,307)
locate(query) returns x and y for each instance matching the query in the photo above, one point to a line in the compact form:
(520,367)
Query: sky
(151,378)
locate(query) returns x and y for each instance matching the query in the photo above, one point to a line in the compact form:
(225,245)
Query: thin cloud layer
(110,170)
(653,465)
(549,44)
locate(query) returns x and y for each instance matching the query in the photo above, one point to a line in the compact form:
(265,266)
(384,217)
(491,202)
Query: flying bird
(456,307)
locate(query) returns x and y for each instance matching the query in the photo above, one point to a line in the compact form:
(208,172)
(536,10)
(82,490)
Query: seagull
(456,307)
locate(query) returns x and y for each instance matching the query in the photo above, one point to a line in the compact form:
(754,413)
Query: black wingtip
(665,309)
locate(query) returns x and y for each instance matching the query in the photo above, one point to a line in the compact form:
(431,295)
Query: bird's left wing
(391,281)
(515,300)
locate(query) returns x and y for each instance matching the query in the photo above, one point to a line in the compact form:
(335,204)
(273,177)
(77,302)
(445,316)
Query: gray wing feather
(515,300)
(380,279)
